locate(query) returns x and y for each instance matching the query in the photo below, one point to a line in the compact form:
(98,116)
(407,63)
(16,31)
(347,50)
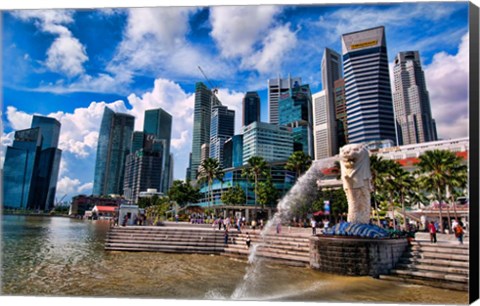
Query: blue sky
(70,64)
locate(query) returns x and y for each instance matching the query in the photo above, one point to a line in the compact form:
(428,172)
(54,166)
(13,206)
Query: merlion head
(353,154)
(355,164)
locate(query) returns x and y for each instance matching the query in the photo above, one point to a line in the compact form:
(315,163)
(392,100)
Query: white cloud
(18,120)
(447,82)
(72,186)
(233,100)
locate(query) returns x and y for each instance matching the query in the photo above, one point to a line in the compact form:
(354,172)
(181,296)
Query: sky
(69,64)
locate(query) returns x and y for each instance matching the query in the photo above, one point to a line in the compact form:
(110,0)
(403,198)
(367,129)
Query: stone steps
(426,282)
(421,267)
(443,263)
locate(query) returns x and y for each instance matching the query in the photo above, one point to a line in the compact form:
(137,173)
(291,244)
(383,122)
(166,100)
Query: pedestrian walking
(279,227)
(459,232)
(261,224)
(314,226)
(220,223)
(433,232)
(248,241)
(226,236)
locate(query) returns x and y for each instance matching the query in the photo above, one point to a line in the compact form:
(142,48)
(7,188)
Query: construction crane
(214,88)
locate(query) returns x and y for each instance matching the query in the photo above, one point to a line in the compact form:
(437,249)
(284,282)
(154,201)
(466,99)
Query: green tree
(438,170)
(183,193)
(298,162)
(379,169)
(267,193)
(256,169)
(157,211)
(234,196)
(208,171)
(403,182)
(385,184)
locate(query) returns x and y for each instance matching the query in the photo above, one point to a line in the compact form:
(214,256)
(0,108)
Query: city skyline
(74,89)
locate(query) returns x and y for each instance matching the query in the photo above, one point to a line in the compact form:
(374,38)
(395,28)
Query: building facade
(31,166)
(277,87)
(222,127)
(413,114)
(270,141)
(204,100)
(340,112)
(251,108)
(233,152)
(321,126)
(368,94)
(295,112)
(114,144)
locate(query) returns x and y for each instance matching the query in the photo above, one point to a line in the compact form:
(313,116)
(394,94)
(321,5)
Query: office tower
(270,141)
(170,176)
(144,167)
(412,104)
(204,100)
(159,123)
(31,166)
(321,126)
(277,87)
(233,151)
(251,108)
(205,152)
(295,111)
(340,112)
(367,86)
(222,127)
(114,144)
(188,170)
(331,71)
(137,141)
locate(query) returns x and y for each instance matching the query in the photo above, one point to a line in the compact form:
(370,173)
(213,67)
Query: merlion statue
(356,175)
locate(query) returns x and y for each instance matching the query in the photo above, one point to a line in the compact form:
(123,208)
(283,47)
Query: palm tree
(256,168)
(390,169)
(208,171)
(403,182)
(457,182)
(376,169)
(437,170)
(298,162)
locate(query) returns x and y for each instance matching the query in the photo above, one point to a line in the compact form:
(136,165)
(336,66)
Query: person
(176,218)
(314,226)
(261,224)
(279,227)
(226,236)
(433,232)
(325,224)
(220,223)
(459,232)
(243,222)
(454,225)
(254,224)
(239,225)
(248,241)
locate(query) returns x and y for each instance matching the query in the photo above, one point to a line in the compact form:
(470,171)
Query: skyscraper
(114,144)
(233,152)
(340,112)
(295,111)
(31,166)
(222,127)
(321,126)
(367,86)
(159,123)
(331,71)
(277,87)
(251,108)
(412,104)
(204,100)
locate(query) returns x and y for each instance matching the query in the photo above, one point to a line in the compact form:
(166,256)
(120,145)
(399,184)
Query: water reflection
(65,257)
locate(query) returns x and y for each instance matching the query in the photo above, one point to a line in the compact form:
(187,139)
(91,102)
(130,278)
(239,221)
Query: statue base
(357,230)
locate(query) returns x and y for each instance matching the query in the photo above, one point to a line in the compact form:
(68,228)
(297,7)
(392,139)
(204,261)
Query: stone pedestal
(355,256)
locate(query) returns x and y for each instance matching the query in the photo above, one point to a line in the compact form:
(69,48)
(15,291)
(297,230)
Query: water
(44,256)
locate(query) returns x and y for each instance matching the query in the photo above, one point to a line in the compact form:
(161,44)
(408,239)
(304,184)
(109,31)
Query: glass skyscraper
(222,127)
(233,152)
(114,144)
(31,166)
(204,100)
(277,87)
(295,111)
(251,108)
(367,86)
(412,104)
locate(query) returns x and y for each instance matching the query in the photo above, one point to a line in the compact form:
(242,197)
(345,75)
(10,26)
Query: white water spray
(305,186)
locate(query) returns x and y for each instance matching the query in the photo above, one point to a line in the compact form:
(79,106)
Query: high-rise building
(331,71)
(222,127)
(367,86)
(295,111)
(411,101)
(277,87)
(233,151)
(340,112)
(251,108)
(204,100)
(270,141)
(321,126)
(32,165)
(205,152)
(158,122)
(114,144)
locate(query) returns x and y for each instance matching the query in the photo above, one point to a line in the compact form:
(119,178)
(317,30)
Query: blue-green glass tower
(222,127)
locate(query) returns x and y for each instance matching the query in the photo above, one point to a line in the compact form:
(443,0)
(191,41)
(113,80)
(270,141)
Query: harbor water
(56,256)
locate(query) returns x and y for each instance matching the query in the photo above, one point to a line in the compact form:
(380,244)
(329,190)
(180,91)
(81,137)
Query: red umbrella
(318,213)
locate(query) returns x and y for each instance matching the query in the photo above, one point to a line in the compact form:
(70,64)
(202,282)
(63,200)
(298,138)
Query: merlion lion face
(351,153)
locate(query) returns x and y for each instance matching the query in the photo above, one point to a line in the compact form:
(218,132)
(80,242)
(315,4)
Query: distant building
(370,114)
(251,108)
(222,127)
(295,111)
(412,104)
(31,166)
(321,134)
(233,152)
(340,112)
(205,152)
(270,141)
(204,100)
(114,144)
(82,203)
(277,87)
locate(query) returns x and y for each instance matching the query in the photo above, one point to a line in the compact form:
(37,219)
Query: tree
(403,182)
(267,193)
(256,169)
(183,193)
(208,171)
(384,184)
(438,169)
(298,162)
(156,211)
(234,196)
(379,169)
